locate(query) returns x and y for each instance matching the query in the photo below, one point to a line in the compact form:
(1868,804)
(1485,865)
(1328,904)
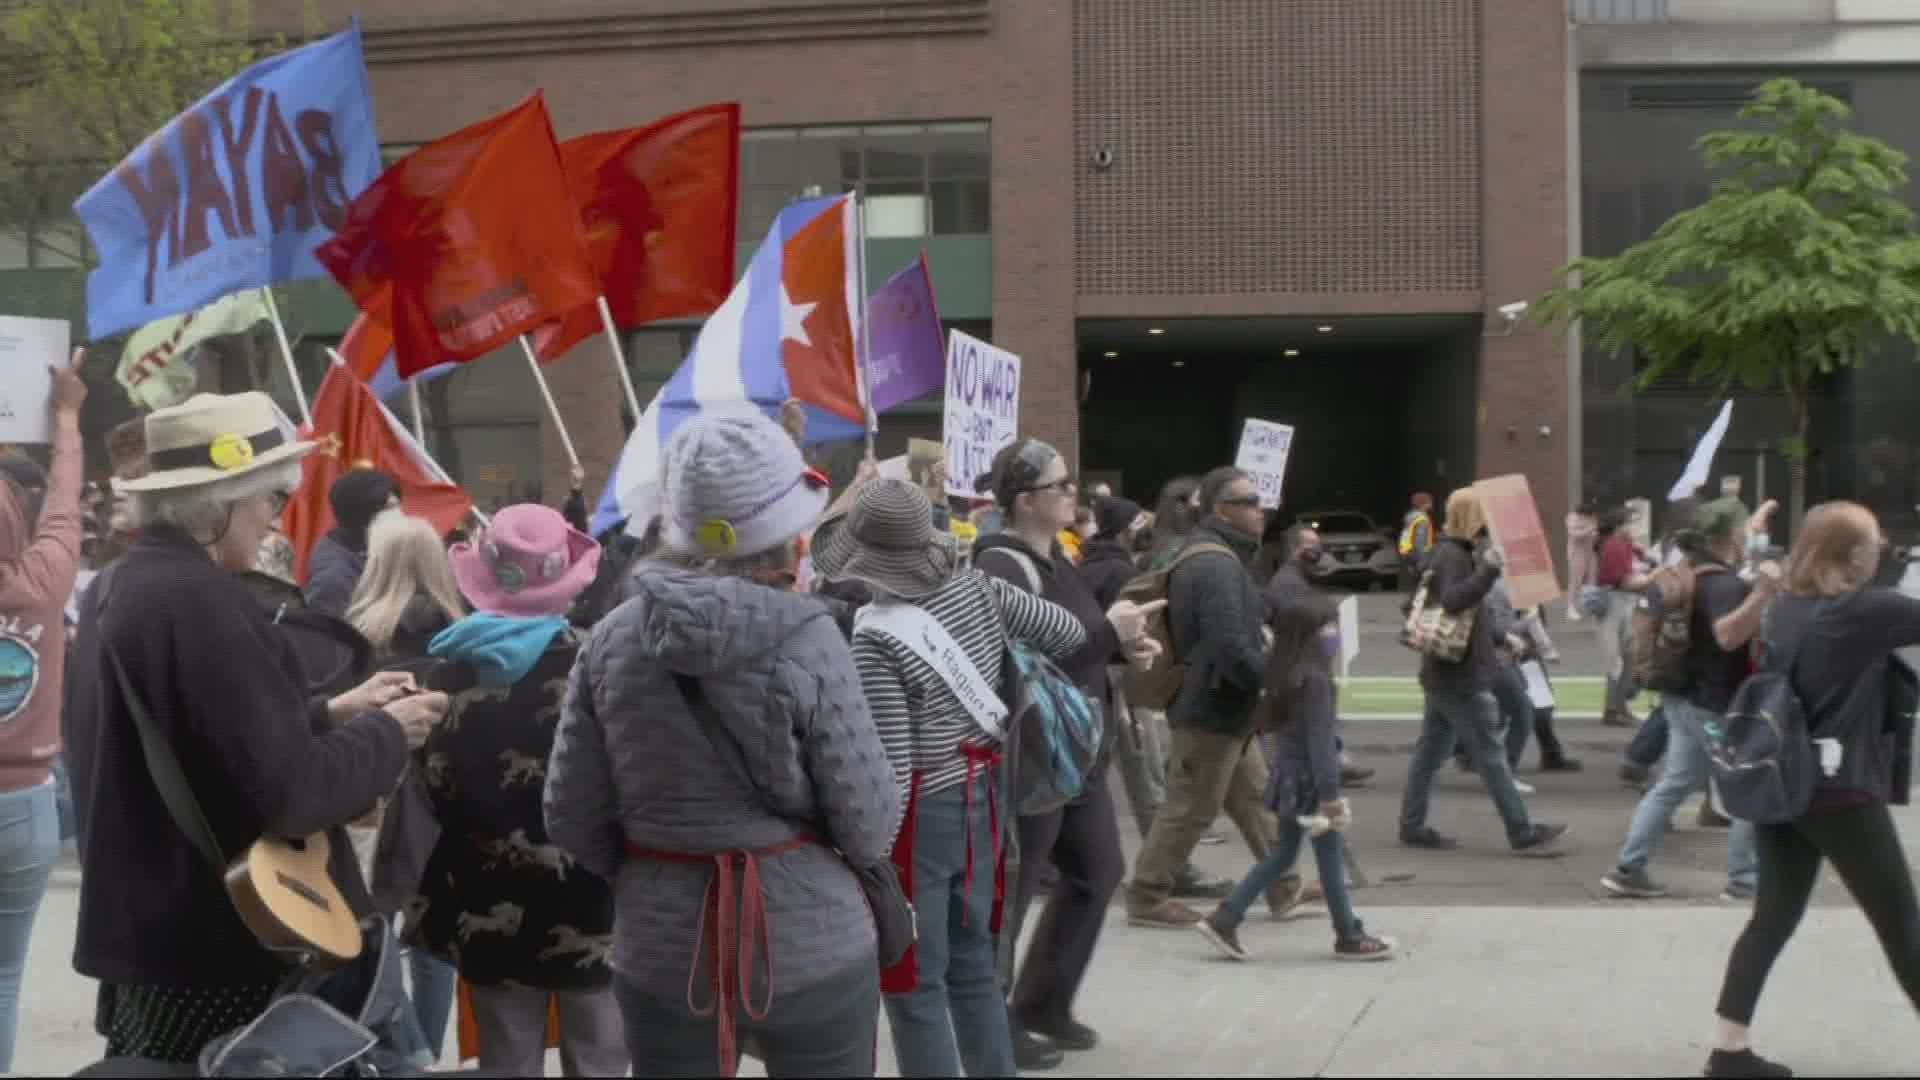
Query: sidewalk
(1478,991)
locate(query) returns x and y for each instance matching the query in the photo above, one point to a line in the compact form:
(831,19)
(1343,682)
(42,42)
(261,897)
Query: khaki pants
(1206,773)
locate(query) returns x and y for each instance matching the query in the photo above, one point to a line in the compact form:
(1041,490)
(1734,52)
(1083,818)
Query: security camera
(1103,158)
(1514,310)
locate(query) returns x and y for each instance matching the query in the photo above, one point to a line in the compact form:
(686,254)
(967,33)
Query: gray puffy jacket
(632,765)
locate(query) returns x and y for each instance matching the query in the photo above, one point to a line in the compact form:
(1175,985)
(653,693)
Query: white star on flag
(793,319)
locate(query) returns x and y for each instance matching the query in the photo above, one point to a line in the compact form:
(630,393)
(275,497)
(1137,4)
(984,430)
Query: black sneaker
(1068,1034)
(1224,936)
(1631,884)
(1540,842)
(1744,1065)
(1426,836)
(1032,1053)
(1560,764)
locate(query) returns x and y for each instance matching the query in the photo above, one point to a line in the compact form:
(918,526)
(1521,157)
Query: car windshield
(1340,523)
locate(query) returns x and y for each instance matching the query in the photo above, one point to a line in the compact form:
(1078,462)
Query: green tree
(86,82)
(1803,261)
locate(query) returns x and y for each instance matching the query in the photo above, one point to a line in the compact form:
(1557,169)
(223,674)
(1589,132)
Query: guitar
(285,895)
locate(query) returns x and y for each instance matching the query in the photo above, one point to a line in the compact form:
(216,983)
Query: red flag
(477,236)
(659,206)
(355,431)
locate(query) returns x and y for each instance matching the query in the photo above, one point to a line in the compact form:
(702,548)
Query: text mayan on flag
(236,192)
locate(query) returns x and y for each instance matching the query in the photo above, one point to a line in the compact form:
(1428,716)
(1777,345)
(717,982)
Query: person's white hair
(204,508)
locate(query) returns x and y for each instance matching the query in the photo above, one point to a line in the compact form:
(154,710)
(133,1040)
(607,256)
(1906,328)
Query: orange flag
(477,235)
(659,206)
(355,431)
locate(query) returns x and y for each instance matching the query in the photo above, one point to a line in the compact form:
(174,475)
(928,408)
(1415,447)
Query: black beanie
(1113,515)
(356,498)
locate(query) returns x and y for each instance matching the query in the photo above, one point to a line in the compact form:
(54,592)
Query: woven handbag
(1433,631)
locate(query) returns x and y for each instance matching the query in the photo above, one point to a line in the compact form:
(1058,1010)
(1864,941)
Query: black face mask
(1312,554)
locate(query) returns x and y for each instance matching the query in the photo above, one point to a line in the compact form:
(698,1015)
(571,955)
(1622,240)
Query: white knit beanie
(736,485)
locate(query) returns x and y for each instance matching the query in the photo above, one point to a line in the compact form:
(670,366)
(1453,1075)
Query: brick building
(1180,213)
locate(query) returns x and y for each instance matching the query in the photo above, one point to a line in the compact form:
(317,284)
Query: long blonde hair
(404,558)
(1835,552)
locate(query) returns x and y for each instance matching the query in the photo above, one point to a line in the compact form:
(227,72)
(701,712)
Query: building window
(44,247)
(918,179)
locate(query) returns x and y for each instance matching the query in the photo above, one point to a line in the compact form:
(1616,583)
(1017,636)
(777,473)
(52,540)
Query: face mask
(1330,643)
(1312,554)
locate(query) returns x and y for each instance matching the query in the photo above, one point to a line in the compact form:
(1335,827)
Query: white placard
(1263,455)
(982,410)
(1349,633)
(1539,691)
(29,348)
(893,468)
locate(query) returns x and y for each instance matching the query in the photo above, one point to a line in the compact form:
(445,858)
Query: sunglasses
(1241,500)
(1062,485)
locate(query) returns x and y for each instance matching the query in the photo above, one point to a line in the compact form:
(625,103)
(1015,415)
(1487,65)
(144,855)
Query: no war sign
(982,409)
(236,192)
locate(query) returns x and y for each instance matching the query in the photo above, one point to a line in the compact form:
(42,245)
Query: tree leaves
(1801,262)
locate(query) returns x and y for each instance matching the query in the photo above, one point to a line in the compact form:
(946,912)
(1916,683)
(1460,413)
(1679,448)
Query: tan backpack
(1157,686)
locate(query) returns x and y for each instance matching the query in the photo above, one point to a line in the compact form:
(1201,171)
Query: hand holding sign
(69,389)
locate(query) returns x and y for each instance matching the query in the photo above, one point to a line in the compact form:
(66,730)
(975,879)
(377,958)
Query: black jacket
(333,571)
(1062,583)
(1461,582)
(1108,566)
(225,687)
(1215,613)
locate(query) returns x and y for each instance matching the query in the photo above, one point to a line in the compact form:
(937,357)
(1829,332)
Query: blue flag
(236,192)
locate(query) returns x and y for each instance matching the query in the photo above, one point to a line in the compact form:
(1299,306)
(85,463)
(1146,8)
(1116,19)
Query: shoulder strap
(922,635)
(162,765)
(1026,565)
(1202,548)
(708,718)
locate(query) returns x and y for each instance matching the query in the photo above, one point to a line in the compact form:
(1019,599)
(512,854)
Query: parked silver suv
(1356,552)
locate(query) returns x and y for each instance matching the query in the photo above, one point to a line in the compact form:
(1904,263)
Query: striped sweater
(922,723)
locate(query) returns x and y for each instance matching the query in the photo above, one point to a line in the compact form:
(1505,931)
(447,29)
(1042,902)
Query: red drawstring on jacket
(979,758)
(733,947)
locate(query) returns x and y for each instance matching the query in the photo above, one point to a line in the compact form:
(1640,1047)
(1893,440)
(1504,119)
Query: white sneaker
(1525,788)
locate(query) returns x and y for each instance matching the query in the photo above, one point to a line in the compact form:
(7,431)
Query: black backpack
(1761,752)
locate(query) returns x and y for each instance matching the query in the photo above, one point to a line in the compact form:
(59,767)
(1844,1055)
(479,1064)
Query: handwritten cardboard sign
(1514,521)
(1264,447)
(982,409)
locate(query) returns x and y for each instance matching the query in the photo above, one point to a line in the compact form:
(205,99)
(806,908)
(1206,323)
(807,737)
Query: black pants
(1083,841)
(1866,850)
(826,1029)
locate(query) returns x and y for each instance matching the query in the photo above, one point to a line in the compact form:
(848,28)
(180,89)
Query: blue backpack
(1055,733)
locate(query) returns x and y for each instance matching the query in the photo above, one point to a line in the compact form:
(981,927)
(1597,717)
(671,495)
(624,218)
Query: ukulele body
(286,896)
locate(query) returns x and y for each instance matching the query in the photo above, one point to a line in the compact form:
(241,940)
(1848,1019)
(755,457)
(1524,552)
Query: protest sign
(1263,455)
(893,468)
(1514,521)
(982,410)
(236,192)
(1349,634)
(29,349)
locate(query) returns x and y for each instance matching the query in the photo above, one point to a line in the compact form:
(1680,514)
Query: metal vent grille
(1312,146)
(1719,95)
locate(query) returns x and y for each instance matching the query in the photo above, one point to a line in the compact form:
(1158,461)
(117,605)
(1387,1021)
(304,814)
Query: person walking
(1583,554)
(1035,492)
(1460,701)
(1836,637)
(1298,709)
(39,560)
(1725,616)
(714,738)
(1618,572)
(1215,616)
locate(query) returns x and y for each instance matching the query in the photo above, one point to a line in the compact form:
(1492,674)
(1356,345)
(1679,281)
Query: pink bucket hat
(528,563)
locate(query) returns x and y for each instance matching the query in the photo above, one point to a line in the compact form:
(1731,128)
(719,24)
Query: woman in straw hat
(943,735)
(715,743)
(176,965)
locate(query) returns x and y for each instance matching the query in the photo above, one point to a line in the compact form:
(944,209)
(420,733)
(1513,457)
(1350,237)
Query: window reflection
(918,179)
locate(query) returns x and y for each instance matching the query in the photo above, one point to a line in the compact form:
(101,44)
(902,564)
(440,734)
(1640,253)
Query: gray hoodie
(631,764)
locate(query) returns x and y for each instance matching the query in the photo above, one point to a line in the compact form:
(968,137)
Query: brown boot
(1293,898)
(1166,915)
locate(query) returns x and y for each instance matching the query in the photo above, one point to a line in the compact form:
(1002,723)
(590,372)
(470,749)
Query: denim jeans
(1327,853)
(29,846)
(826,1029)
(955,1016)
(1474,720)
(1686,773)
(1616,635)
(1650,742)
(1516,713)
(433,991)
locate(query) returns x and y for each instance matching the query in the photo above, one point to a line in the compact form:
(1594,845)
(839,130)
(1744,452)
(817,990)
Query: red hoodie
(36,579)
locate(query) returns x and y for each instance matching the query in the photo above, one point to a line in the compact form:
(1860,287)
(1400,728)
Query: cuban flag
(367,348)
(790,330)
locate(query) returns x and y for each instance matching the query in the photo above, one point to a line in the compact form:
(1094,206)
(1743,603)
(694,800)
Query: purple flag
(907,358)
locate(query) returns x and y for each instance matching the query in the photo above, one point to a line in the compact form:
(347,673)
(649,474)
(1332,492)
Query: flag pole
(419,412)
(619,357)
(546,394)
(424,452)
(286,354)
(866,339)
